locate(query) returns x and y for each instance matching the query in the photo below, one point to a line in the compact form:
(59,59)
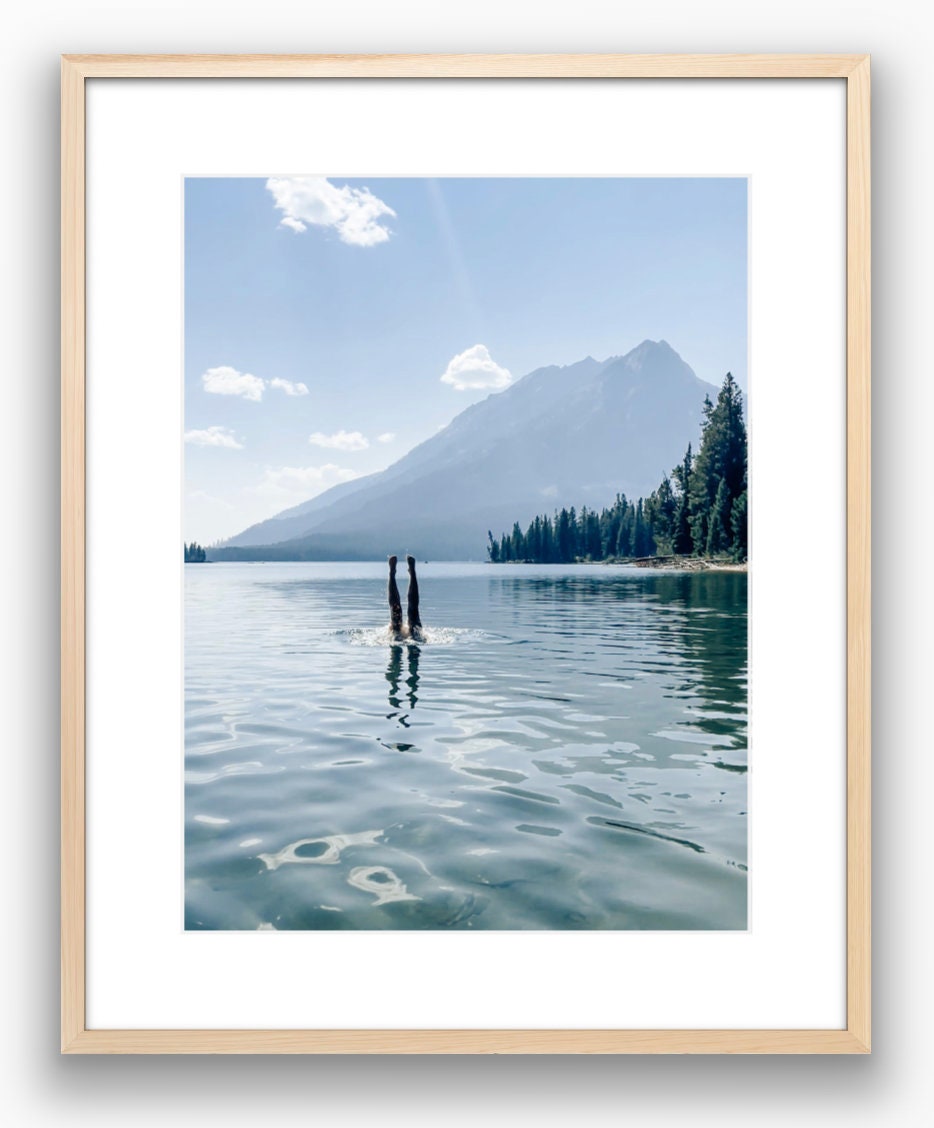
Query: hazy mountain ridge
(560,436)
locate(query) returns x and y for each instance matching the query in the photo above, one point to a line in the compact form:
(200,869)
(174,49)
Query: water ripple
(567,748)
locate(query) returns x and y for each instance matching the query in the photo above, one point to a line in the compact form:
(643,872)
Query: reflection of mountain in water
(576,435)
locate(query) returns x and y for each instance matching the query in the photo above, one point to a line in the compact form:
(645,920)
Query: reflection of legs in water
(393,674)
(395,603)
(414,620)
(412,680)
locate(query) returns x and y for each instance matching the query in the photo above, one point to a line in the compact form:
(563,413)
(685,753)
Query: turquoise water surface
(566,750)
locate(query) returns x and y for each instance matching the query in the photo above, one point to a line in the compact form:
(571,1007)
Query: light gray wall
(43,1089)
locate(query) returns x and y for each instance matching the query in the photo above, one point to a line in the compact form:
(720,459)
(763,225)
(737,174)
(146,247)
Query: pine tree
(518,543)
(533,541)
(719,540)
(739,549)
(610,521)
(681,541)
(548,541)
(660,515)
(722,457)
(493,548)
(593,540)
(643,544)
(563,536)
(625,538)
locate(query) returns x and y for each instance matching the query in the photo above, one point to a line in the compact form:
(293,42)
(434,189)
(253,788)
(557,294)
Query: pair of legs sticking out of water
(413,626)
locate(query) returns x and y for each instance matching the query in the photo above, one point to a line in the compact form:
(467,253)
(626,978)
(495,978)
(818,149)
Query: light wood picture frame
(76,1037)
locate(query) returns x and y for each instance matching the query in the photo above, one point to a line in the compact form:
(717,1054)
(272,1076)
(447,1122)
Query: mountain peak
(648,345)
(576,434)
(653,361)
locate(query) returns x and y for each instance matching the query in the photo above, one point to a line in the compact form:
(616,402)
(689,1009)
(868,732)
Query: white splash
(431,636)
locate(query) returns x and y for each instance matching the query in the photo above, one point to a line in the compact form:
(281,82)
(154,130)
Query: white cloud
(341,440)
(292,484)
(386,437)
(288,387)
(474,369)
(352,212)
(295,224)
(225,381)
(213,437)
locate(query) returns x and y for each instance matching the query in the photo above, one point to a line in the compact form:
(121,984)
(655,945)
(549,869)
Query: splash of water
(431,636)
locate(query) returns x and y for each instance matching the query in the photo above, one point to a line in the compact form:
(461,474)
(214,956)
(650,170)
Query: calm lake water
(567,750)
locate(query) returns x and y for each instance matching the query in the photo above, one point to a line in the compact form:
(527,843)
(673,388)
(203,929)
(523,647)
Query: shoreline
(669,563)
(662,563)
(690,563)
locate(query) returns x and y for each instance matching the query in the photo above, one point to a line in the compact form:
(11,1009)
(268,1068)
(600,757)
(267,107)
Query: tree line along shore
(697,518)
(195,553)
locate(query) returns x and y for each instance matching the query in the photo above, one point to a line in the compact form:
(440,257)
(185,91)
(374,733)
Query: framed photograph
(465,554)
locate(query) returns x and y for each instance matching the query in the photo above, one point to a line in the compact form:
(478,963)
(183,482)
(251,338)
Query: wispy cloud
(340,440)
(290,389)
(292,484)
(213,437)
(386,437)
(354,213)
(226,381)
(475,369)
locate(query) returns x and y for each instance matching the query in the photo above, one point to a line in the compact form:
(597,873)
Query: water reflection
(686,628)
(394,677)
(412,680)
(710,636)
(576,758)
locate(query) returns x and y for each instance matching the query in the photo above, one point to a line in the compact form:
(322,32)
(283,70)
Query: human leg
(395,602)
(412,610)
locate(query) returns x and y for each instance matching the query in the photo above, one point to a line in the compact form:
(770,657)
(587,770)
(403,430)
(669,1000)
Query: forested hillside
(700,509)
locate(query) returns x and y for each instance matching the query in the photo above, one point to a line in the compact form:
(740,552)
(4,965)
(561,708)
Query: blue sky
(333,324)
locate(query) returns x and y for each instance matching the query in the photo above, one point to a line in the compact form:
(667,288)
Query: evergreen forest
(195,554)
(699,509)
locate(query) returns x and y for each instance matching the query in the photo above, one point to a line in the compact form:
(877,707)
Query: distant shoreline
(673,563)
(691,563)
(666,563)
